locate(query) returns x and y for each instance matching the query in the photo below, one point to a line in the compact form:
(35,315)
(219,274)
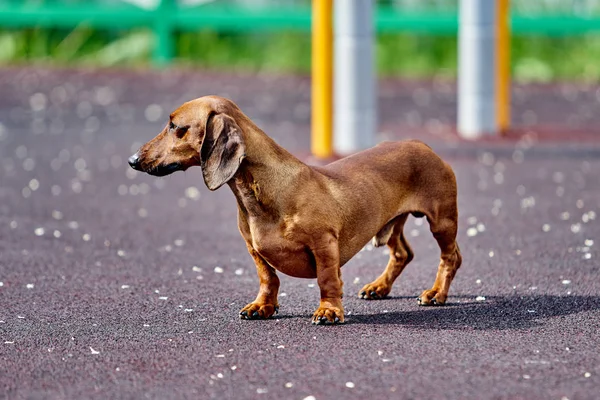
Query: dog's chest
(282,247)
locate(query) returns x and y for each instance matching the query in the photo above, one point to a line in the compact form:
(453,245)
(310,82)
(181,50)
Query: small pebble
(480,298)
(546,228)
(218,270)
(350,385)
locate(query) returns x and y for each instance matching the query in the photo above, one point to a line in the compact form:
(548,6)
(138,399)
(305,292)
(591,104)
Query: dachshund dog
(307,221)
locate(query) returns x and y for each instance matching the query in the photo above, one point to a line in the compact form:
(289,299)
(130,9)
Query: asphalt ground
(120,285)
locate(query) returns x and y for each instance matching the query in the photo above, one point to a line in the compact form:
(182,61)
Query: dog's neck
(266,174)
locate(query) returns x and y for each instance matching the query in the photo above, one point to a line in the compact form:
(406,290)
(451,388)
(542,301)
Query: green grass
(533,58)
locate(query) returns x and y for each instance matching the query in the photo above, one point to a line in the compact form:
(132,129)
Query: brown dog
(306,221)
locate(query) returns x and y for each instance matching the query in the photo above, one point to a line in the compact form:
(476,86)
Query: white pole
(354,82)
(476,78)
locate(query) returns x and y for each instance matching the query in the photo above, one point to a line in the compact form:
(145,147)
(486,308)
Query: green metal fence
(169,16)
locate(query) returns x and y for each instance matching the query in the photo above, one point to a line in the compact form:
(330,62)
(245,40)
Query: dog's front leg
(327,259)
(265,304)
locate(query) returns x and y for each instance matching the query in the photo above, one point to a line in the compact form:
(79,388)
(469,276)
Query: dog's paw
(258,311)
(431,298)
(374,291)
(328,316)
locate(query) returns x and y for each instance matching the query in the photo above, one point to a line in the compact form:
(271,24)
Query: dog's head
(201,132)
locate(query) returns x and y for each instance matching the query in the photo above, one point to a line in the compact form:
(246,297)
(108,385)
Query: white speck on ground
(30,286)
(94,351)
(480,298)
(350,385)
(218,270)
(471,232)
(546,228)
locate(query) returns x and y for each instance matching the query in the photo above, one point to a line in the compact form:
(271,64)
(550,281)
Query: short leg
(400,255)
(327,259)
(265,304)
(444,232)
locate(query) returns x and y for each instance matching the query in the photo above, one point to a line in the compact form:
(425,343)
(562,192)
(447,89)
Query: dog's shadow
(495,312)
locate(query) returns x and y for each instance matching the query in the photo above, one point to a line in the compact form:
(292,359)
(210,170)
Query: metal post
(164,45)
(503,65)
(354,82)
(322,70)
(476,71)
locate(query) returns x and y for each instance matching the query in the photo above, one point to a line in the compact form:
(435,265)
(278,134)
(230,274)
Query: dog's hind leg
(444,230)
(400,255)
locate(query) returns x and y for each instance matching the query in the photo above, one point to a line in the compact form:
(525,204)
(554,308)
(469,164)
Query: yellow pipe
(322,76)
(503,65)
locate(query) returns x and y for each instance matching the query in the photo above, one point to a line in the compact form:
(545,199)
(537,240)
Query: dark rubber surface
(121,285)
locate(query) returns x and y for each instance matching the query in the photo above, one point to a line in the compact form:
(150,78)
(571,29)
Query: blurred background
(552,39)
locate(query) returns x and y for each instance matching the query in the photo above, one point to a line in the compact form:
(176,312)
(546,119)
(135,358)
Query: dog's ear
(222,150)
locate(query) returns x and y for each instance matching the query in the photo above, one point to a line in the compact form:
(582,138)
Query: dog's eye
(171,125)
(181,130)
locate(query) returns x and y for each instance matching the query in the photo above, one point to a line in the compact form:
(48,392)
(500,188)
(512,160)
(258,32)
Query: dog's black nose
(134,161)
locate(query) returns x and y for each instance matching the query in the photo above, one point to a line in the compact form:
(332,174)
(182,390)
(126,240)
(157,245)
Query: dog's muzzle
(161,170)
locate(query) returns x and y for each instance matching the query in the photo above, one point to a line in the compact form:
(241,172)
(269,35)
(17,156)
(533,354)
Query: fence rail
(169,17)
